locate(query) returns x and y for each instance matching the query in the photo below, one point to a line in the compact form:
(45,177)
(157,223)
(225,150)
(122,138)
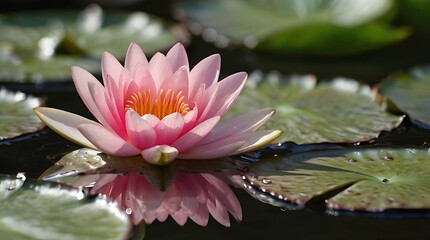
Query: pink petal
(201,216)
(110,67)
(150,196)
(65,123)
(229,90)
(210,151)
(160,69)
(169,128)
(106,141)
(143,79)
(257,139)
(151,119)
(189,190)
(250,141)
(207,102)
(195,135)
(134,56)
(205,72)
(178,83)
(177,56)
(160,154)
(81,79)
(218,212)
(180,217)
(189,120)
(119,97)
(139,131)
(242,123)
(102,181)
(104,105)
(221,191)
(198,96)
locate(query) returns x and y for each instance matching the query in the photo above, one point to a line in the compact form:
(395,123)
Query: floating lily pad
(342,110)
(361,179)
(42,46)
(294,26)
(16,114)
(41,210)
(54,69)
(410,92)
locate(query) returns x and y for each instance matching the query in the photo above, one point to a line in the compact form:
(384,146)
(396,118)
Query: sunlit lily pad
(16,114)
(43,45)
(410,93)
(341,110)
(294,26)
(40,210)
(366,179)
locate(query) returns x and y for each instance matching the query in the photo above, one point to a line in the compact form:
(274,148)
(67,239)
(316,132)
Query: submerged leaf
(338,111)
(410,93)
(16,114)
(364,179)
(40,210)
(294,26)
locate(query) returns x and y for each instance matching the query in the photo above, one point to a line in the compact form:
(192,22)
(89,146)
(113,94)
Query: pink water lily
(161,109)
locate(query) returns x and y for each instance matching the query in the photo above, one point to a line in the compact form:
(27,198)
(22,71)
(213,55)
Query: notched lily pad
(410,93)
(32,209)
(293,26)
(16,114)
(341,110)
(361,179)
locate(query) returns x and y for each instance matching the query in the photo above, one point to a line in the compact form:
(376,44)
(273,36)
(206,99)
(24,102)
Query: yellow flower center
(167,102)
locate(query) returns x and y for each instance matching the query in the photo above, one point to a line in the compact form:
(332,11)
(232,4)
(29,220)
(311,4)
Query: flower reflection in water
(184,189)
(190,195)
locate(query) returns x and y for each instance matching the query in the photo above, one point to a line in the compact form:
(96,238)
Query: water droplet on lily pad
(370,184)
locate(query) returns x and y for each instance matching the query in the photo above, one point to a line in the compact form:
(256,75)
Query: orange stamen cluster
(167,102)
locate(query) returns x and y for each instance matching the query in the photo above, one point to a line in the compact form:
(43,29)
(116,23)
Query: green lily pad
(94,36)
(361,179)
(16,114)
(32,209)
(341,110)
(34,70)
(410,93)
(295,27)
(415,13)
(43,45)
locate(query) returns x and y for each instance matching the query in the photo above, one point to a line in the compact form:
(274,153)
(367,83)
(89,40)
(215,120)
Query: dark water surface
(34,153)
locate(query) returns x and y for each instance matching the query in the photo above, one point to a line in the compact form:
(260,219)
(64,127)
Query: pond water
(35,153)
